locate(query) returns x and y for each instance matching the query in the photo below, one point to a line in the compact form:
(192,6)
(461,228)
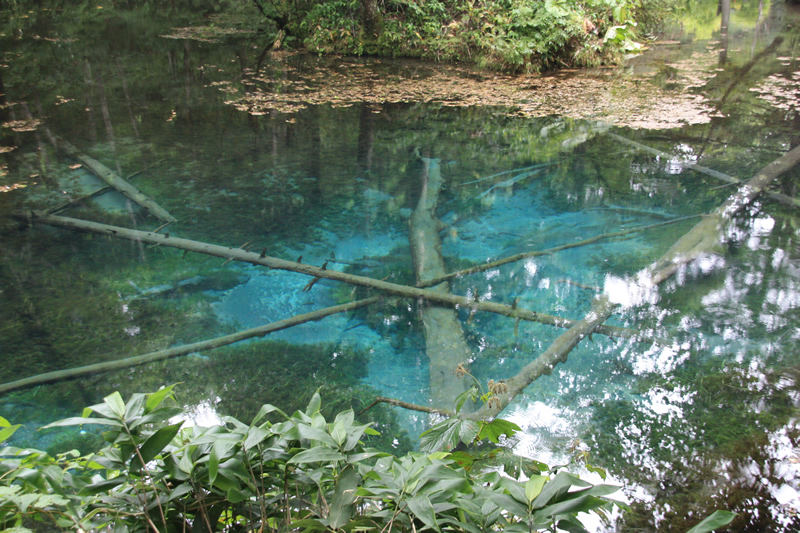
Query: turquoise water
(698,413)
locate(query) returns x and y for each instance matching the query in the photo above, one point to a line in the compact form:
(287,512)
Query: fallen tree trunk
(444,338)
(255,258)
(72,373)
(114,180)
(701,240)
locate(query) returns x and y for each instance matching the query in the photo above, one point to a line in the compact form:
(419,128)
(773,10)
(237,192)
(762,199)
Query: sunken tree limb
(137,360)
(445,343)
(254,258)
(114,180)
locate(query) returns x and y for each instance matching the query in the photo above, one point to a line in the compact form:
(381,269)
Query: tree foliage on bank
(508,35)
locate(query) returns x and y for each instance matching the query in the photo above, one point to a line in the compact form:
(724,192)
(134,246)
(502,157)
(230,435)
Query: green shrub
(300,473)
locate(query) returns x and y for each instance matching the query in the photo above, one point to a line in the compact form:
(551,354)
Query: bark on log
(72,373)
(445,343)
(254,258)
(114,180)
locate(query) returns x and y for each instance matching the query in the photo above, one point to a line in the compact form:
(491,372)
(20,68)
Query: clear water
(702,418)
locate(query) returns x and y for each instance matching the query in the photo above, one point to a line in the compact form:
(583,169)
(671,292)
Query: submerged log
(445,343)
(114,180)
(255,258)
(260,331)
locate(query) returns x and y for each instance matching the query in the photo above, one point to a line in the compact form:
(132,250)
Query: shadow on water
(316,160)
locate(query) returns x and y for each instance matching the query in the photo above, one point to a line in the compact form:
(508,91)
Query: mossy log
(260,331)
(114,180)
(255,258)
(445,343)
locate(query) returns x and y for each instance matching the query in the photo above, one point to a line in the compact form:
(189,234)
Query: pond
(584,178)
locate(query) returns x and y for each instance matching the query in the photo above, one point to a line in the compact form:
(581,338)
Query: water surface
(248,149)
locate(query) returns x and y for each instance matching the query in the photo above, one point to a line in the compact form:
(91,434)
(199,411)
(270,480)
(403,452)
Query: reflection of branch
(261,331)
(261,8)
(705,170)
(517,257)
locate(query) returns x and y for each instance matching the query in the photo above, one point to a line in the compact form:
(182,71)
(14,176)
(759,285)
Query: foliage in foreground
(302,473)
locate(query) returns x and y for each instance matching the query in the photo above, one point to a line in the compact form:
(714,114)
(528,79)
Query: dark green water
(703,417)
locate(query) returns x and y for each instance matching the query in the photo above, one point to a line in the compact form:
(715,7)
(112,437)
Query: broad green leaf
(354,435)
(24,501)
(115,402)
(508,503)
(516,489)
(4,423)
(180,490)
(134,408)
(496,428)
(344,497)
(155,443)
(159,415)
(155,399)
(557,487)
(234,468)
(314,404)
(469,394)
(346,418)
(79,421)
(317,454)
(186,464)
(102,486)
(716,520)
(218,451)
(422,508)
(463,459)
(443,436)
(338,433)
(310,433)
(33,477)
(468,431)
(7,431)
(571,525)
(235,495)
(265,410)
(255,436)
(533,487)
(575,505)
(362,456)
